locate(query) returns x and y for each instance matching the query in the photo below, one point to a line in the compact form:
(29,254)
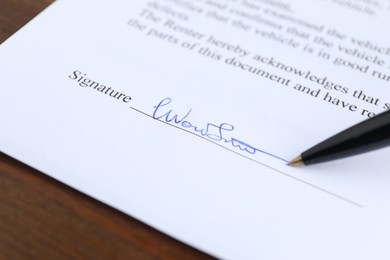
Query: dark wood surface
(41,218)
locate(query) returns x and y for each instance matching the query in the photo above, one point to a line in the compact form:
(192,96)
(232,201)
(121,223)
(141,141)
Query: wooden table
(41,218)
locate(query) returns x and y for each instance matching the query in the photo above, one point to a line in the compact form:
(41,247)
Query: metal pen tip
(296,162)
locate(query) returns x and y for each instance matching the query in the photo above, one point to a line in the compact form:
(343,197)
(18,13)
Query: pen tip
(296,162)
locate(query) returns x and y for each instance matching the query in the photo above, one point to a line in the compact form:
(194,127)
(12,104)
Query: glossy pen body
(368,135)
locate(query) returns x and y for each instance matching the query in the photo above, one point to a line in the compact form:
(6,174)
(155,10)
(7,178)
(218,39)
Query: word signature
(214,132)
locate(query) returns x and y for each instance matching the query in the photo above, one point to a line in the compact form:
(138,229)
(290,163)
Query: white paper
(209,99)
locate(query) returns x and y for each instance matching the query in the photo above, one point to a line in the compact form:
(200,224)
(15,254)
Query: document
(184,114)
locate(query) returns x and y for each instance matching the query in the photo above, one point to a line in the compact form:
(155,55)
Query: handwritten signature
(211,131)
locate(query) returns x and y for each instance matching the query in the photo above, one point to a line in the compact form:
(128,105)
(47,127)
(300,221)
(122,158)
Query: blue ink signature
(211,131)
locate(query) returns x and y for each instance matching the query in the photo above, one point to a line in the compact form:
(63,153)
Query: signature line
(255,161)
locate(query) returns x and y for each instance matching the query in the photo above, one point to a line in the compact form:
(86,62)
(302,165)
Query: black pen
(374,133)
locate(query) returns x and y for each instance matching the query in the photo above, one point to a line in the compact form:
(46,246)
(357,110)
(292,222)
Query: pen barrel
(366,136)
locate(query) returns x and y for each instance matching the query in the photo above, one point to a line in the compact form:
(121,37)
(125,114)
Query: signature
(213,132)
